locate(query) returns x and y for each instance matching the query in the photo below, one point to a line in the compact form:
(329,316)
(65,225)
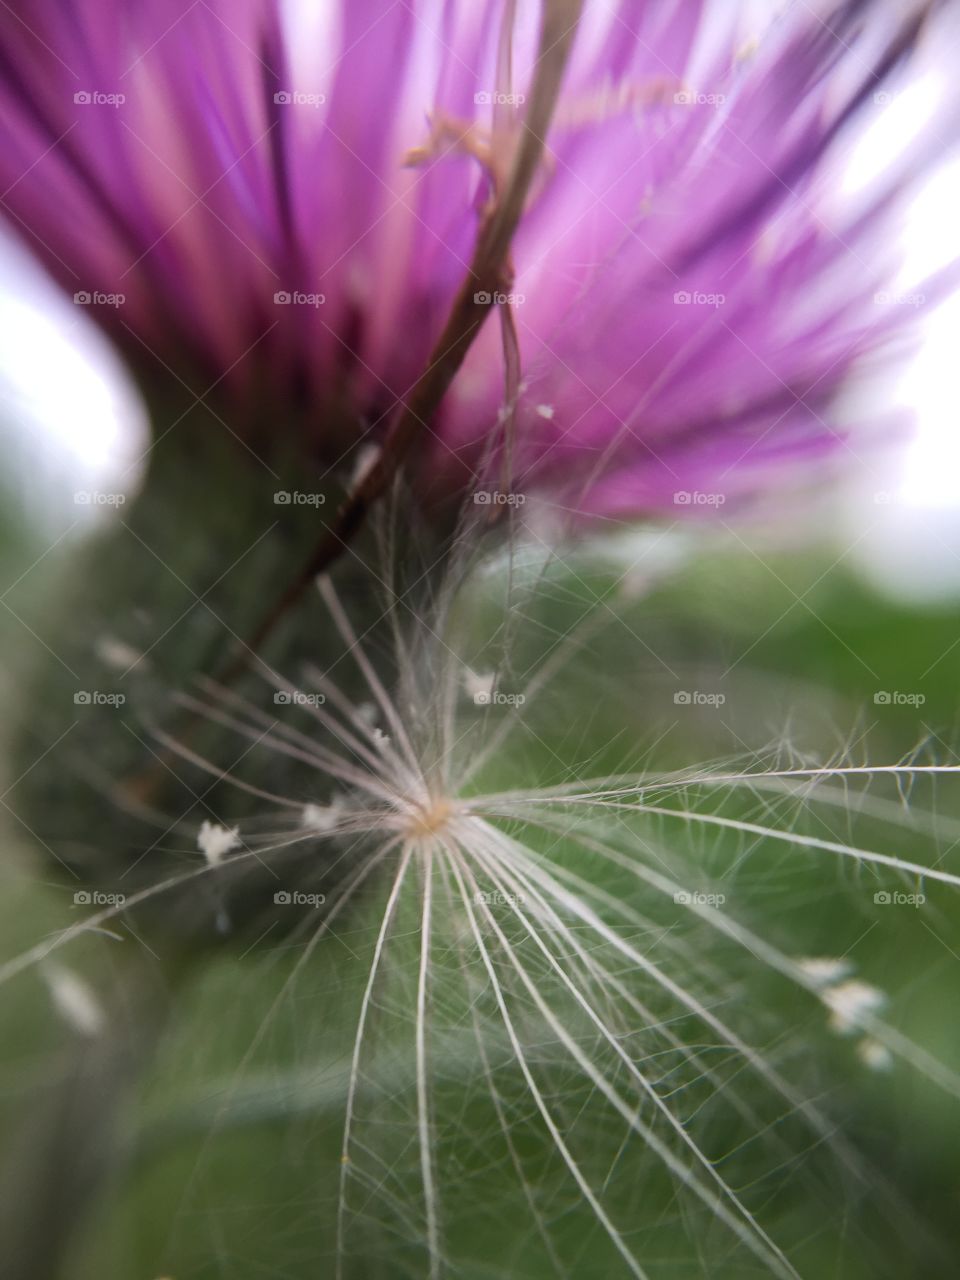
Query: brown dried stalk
(487,273)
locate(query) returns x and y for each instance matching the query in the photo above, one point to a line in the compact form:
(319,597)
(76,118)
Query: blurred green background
(229,1159)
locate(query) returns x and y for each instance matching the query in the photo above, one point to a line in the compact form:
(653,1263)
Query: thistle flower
(313,218)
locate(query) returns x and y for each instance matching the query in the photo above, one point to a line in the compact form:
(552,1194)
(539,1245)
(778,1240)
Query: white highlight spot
(72,410)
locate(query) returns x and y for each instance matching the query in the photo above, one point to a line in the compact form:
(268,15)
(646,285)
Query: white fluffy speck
(120,655)
(850,1002)
(215,841)
(546,411)
(478,687)
(824,970)
(368,456)
(874,1055)
(318,817)
(75,1000)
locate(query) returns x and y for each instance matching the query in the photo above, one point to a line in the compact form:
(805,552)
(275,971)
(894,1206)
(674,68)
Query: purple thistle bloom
(288,208)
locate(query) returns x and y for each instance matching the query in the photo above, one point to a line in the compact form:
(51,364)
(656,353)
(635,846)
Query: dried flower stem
(485,274)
